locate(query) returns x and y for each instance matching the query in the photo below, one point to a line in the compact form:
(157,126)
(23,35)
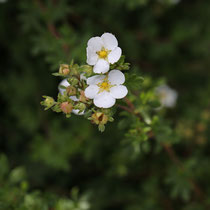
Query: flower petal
(101,67)
(92,57)
(119,91)
(104,100)
(95,43)
(114,55)
(109,40)
(95,79)
(76,111)
(167,96)
(116,77)
(64,83)
(83,77)
(91,91)
(74,98)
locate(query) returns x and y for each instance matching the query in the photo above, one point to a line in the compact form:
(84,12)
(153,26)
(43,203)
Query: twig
(175,159)
(168,149)
(172,154)
(51,27)
(129,103)
(125,108)
(131,109)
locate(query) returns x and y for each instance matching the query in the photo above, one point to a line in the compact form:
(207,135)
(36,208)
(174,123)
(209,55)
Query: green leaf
(133,81)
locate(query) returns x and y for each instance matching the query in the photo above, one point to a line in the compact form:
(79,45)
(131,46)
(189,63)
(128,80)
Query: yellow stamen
(104,86)
(103,53)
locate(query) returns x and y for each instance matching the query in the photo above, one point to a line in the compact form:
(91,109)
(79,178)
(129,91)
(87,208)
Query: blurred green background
(50,162)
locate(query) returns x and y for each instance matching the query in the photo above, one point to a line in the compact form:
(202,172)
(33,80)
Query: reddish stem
(168,149)
(51,27)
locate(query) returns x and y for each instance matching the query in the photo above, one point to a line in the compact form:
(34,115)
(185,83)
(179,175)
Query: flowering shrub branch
(168,149)
(99,115)
(91,90)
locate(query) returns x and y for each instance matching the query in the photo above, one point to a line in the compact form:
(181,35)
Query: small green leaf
(133,81)
(57,74)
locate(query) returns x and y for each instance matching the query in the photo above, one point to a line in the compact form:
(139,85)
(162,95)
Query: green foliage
(149,157)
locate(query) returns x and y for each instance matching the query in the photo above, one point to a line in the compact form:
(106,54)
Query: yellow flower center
(104,86)
(103,53)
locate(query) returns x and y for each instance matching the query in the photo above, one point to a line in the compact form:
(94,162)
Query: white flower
(101,51)
(105,89)
(73,98)
(167,96)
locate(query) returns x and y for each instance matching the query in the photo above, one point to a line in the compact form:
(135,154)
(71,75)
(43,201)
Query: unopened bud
(87,69)
(64,69)
(80,106)
(99,118)
(71,91)
(48,102)
(73,81)
(66,107)
(82,97)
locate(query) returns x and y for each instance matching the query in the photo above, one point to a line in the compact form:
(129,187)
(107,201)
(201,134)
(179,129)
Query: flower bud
(87,69)
(80,106)
(66,107)
(71,91)
(64,69)
(73,81)
(82,97)
(48,102)
(99,118)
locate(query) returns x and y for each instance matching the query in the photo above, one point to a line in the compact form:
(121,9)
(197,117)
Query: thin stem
(175,159)
(51,27)
(168,149)
(131,109)
(125,108)
(129,103)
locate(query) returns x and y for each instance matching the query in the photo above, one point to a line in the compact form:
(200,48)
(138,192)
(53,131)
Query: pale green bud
(80,106)
(71,91)
(88,70)
(64,69)
(73,81)
(48,102)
